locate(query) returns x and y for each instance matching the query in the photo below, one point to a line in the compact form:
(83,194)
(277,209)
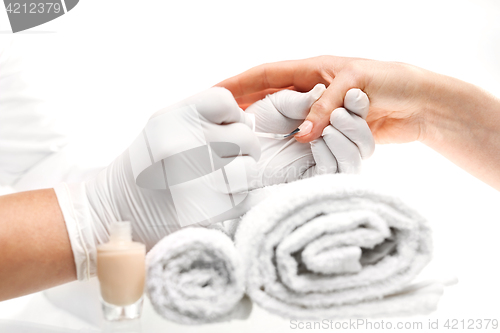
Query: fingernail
(305,128)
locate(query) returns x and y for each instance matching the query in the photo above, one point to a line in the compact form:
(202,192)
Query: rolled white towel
(331,247)
(195,276)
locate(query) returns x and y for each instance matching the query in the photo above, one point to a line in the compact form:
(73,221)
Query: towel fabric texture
(195,276)
(321,248)
(332,247)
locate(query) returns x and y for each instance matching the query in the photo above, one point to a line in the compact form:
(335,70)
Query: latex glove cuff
(74,206)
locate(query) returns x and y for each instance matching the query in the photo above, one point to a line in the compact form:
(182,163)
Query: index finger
(302,74)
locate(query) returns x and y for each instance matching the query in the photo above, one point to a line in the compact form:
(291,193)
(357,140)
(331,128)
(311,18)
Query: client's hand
(189,166)
(344,142)
(407,103)
(400,94)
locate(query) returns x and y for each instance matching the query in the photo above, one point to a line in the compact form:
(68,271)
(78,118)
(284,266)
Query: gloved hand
(190,165)
(342,146)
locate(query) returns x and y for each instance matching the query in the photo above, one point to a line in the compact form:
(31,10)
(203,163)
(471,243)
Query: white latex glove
(189,166)
(341,148)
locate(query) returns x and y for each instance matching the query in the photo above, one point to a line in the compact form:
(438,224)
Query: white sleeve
(27,135)
(67,165)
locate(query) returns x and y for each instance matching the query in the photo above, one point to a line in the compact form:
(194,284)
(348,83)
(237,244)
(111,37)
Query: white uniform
(33,154)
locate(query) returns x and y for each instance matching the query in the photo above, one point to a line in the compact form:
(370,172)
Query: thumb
(319,116)
(295,105)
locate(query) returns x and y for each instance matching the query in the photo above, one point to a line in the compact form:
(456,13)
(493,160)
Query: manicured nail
(305,128)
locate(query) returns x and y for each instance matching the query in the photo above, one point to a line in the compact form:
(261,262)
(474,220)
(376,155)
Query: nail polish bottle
(121,271)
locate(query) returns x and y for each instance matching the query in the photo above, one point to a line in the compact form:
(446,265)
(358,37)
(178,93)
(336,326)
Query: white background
(107,65)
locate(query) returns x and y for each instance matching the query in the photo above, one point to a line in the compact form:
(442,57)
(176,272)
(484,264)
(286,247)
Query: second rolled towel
(331,247)
(195,276)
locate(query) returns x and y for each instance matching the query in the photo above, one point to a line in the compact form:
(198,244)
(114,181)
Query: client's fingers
(303,74)
(345,151)
(355,129)
(319,116)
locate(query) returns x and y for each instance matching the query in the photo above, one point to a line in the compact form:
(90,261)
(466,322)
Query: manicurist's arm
(49,237)
(35,251)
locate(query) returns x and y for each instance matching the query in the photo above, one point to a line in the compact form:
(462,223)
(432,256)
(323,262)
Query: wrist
(446,108)
(462,123)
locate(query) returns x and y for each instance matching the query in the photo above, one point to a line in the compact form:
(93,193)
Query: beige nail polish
(305,128)
(121,271)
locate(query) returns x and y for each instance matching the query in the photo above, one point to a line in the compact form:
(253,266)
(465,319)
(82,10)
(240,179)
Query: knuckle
(321,107)
(324,60)
(323,57)
(324,68)
(353,73)
(326,74)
